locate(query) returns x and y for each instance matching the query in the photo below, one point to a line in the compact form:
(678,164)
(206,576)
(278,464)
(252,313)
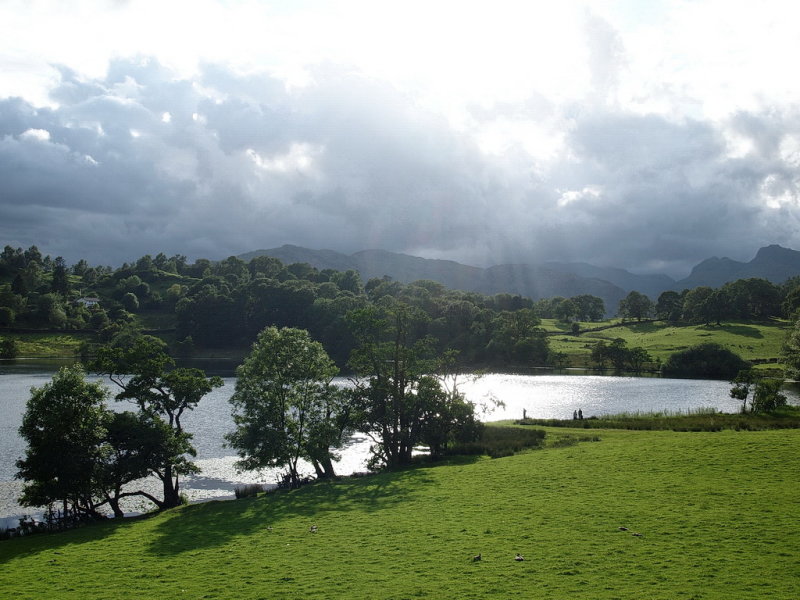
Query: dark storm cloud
(141,162)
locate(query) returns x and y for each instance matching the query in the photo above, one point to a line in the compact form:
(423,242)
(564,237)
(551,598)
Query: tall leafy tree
(791,352)
(669,306)
(400,403)
(590,308)
(635,306)
(64,427)
(285,407)
(60,281)
(146,375)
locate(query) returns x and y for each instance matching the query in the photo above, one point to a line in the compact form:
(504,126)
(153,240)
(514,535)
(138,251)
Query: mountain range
(544,280)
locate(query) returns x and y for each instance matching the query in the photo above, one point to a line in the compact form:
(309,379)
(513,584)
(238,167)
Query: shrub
(497,442)
(248,490)
(7,316)
(8,348)
(710,361)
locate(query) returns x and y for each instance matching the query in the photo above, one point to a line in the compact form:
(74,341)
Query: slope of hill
(650,285)
(544,280)
(532,281)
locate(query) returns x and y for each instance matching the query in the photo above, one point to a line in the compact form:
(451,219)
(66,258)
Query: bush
(7,316)
(497,442)
(767,396)
(9,348)
(706,361)
(248,490)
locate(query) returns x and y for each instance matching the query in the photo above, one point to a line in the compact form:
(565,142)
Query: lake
(541,396)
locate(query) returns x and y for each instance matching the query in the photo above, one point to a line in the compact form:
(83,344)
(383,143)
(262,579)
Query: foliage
(742,385)
(63,427)
(620,356)
(791,351)
(704,361)
(496,442)
(635,306)
(708,419)
(400,401)
(9,348)
(767,396)
(285,407)
(248,490)
(145,375)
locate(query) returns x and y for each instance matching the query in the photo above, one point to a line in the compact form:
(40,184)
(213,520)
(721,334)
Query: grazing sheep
(637,534)
(313,529)
(623,529)
(476,558)
(519,557)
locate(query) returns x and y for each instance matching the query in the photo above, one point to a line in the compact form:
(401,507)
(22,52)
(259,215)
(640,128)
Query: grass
(48,345)
(752,341)
(717,513)
(707,419)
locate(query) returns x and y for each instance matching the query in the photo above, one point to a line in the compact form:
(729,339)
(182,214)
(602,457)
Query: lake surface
(541,396)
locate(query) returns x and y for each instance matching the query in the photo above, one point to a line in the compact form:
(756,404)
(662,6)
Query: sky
(642,135)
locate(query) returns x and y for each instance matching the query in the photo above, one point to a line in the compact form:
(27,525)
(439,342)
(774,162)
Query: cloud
(145,159)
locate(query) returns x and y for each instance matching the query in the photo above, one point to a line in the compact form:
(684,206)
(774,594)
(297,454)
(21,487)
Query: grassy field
(752,341)
(717,512)
(48,345)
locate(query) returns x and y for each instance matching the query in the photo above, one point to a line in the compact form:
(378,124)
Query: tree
(618,353)
(635,306)
(791,352)
(130,302)
(743,383)
(8,346)
(285,407)
(398,401)
(637,357)
(518,339)
(7,316)
(60,281)
(63,426)
(696,305)
(18,285)
(767,396)
(599,355)
(669,306)
(145,375)
(135,445)
(566,310)
(708,360)
(590,308)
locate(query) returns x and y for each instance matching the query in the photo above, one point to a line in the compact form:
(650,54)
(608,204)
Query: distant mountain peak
(774,263)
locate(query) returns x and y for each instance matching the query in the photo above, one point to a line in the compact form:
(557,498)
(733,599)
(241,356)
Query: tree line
(83,456)
(224,304)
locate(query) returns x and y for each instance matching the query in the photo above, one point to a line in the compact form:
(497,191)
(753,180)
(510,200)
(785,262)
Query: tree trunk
(172,497)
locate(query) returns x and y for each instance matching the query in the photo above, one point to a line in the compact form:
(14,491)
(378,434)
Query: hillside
(531,281)
(760,343)
(543,280)
(711,512)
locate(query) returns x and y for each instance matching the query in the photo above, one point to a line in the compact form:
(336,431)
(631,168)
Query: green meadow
(48,345)
(717,513)
(752,341)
